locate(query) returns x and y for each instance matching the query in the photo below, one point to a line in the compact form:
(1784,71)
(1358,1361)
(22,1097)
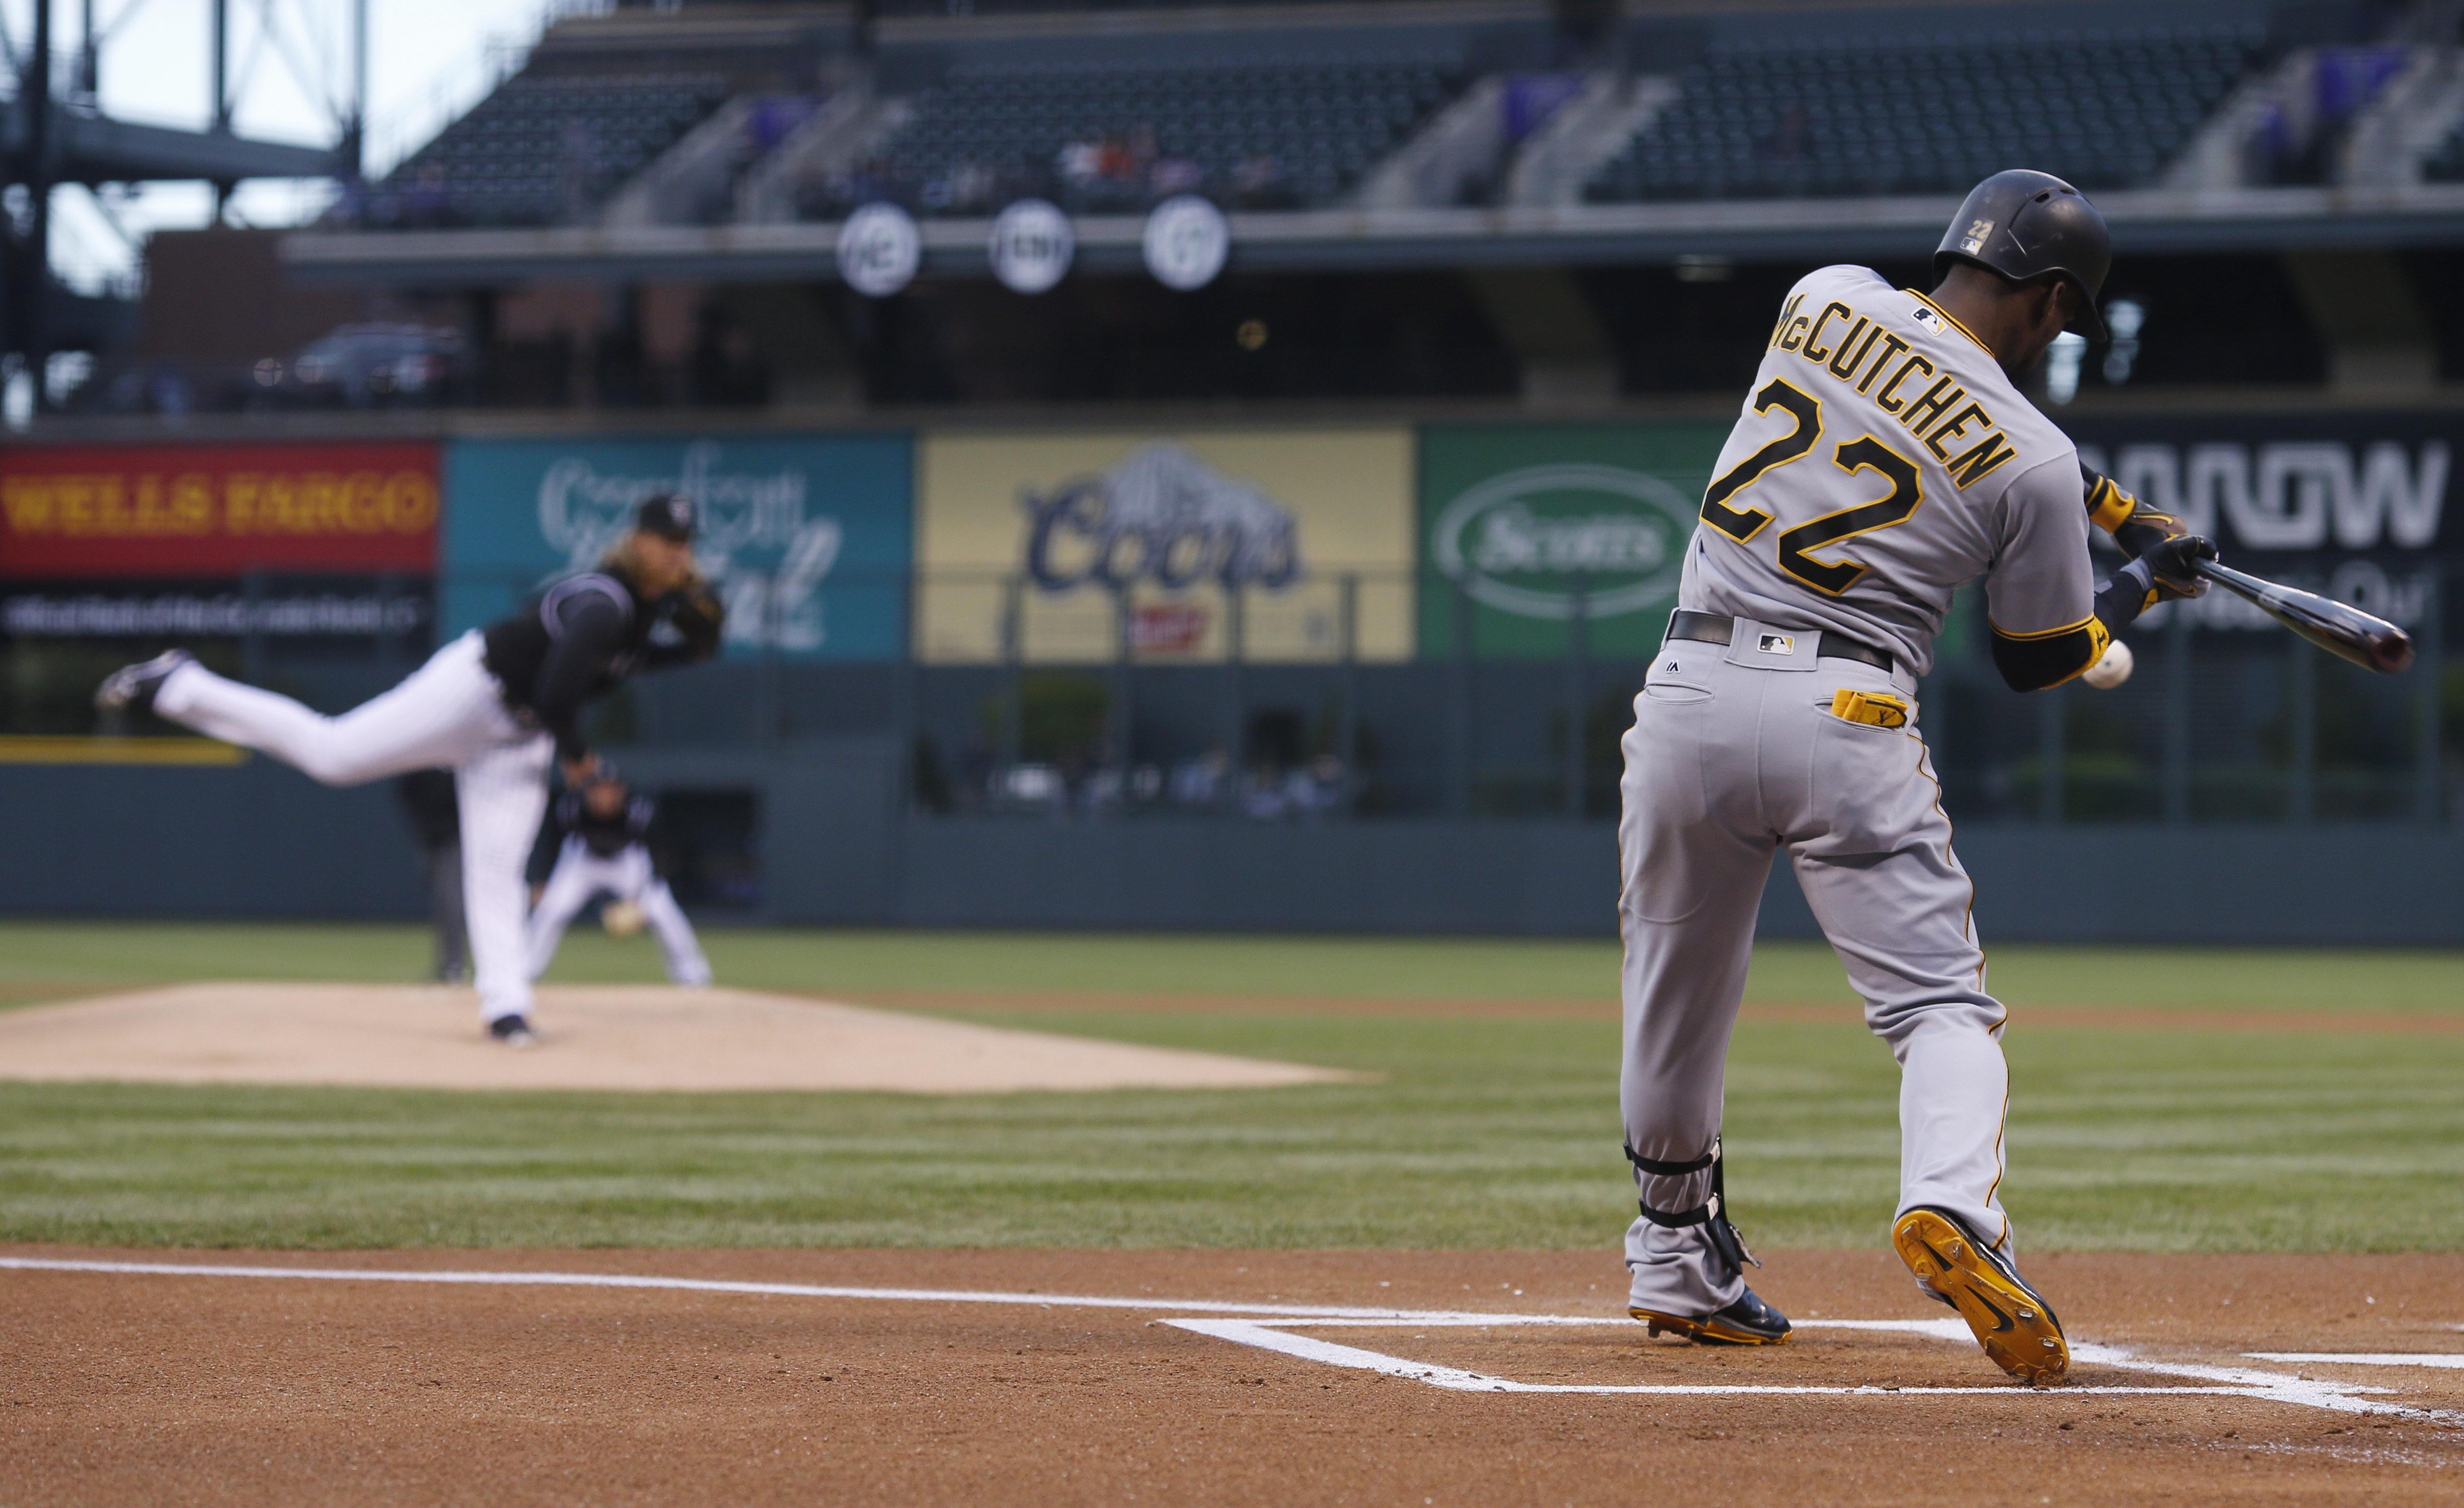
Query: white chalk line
(710,1285)
(1266,1330)
(1268,1336)
(2441,1361)
(2227,1382)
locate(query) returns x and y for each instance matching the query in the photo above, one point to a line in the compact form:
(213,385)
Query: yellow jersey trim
(2109,507)
(2099,639)
(2045,634)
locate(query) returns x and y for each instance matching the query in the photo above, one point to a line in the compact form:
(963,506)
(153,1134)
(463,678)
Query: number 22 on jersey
(1863,453)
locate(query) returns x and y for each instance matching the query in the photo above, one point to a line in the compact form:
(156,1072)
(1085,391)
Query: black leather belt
(1712,628)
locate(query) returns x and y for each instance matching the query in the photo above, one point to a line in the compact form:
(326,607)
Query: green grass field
(2180,1100)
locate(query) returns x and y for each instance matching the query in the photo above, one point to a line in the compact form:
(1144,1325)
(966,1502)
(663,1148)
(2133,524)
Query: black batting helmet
(2027,225)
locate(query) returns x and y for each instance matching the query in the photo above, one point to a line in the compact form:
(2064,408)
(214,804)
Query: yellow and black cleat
(2016,1328)
(1749,1322)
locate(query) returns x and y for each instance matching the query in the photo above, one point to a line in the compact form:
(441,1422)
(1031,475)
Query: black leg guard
(1712,1214)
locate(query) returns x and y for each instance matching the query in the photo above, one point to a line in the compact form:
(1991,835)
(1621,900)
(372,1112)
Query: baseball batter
(604,855)
(494,707)
(1883,457)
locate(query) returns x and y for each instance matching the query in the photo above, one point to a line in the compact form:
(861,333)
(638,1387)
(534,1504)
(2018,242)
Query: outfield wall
(1445,617)
(255,840)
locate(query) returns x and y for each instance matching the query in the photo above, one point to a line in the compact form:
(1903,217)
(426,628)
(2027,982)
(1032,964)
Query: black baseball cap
(667,515)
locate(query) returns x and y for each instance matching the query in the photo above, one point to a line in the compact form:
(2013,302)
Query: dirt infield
(638,1037)
(1113,1377)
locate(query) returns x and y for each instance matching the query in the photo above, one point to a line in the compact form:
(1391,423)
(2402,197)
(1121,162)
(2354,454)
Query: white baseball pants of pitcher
(450,713)
(1735,755)
(582,876)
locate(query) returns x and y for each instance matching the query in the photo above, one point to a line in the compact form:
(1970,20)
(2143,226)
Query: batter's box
(2197,1380)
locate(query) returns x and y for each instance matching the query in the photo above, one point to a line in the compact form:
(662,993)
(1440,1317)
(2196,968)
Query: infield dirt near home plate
(1109,1377)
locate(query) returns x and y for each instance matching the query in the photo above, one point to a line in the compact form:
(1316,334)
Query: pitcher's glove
(697,616)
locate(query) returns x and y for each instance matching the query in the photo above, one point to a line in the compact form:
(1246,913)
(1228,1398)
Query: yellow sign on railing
(72,749)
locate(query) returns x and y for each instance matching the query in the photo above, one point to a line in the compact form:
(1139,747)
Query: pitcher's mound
(591,1037)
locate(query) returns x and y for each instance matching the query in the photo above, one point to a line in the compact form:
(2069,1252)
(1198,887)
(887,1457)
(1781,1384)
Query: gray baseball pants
(1735,755)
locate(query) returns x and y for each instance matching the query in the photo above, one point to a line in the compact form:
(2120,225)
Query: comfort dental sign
(208,511)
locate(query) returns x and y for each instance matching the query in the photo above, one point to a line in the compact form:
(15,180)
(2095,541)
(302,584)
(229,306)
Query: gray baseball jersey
(1882,459)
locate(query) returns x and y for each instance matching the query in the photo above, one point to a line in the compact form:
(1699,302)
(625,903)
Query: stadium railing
(1405,696)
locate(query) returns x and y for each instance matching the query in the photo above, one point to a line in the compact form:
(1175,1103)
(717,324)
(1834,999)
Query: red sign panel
(216,510)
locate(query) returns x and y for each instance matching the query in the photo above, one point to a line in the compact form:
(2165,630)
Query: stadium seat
(544,150)
(2104,109)
(1284,130)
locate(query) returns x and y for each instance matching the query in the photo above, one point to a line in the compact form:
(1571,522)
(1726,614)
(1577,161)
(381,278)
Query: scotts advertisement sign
(1077,548)
(1528,531)
(806,539)
(216,511)
(2361,506)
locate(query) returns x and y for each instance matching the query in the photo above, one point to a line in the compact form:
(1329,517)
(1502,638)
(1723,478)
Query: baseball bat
(2344,631)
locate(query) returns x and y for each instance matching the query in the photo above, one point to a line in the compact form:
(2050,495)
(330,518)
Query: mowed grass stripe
(1481,1132)
(57,958)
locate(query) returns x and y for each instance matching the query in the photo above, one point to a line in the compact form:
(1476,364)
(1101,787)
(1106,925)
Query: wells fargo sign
(212,510)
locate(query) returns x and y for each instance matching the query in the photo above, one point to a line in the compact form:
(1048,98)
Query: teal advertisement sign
(809,539)
(1530,534)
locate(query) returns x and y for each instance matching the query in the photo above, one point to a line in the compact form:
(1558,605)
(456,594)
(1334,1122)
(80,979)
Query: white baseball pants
(450,713)
(1735,755)
(582,876)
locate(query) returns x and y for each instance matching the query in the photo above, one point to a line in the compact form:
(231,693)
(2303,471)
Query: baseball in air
(2112,670)
(621,918)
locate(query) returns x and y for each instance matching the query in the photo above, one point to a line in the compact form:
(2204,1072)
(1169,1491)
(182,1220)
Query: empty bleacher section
(2105,107)
(543,150)
(1265,132)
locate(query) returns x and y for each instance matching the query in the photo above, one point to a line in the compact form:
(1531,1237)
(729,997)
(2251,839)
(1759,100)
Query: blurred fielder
(494,707)
(604,855)
(426,798)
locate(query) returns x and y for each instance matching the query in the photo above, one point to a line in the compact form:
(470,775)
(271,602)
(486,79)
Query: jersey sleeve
(2041,589)
(589,628)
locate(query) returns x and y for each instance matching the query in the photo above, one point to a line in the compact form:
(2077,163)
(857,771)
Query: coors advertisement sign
(1076,547)
(2360,506)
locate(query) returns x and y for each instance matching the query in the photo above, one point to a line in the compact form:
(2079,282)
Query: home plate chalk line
(1268,1327)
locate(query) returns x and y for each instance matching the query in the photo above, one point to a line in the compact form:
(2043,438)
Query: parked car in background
(369,365)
